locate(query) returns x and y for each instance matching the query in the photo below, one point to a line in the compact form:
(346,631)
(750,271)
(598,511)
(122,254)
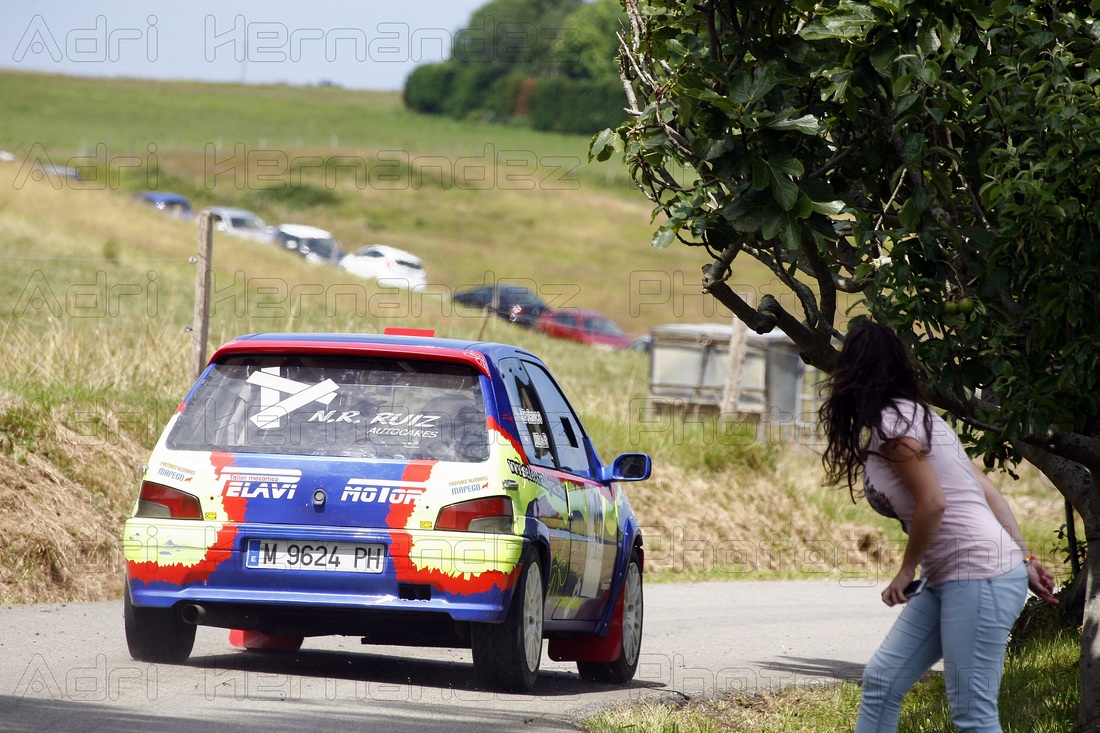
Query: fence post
(730,405)
(200,331)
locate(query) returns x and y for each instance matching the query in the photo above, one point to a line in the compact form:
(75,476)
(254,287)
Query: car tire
(507,655)
(156,634)
(622,669)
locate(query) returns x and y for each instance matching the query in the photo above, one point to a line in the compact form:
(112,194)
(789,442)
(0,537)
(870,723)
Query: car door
(592,525)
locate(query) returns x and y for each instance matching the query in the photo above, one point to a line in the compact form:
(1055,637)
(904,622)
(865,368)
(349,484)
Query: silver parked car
(239,223)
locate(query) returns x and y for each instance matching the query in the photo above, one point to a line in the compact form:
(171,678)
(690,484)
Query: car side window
(531,421)
(565,429)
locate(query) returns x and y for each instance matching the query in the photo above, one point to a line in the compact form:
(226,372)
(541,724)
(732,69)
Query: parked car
(587,327)
(316,245)
(517,303)
(238,223)
(390,266)
(58,171)
(403,489)
(172,204)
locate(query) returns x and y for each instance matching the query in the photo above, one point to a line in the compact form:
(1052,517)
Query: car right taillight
(162,502)
(492,515)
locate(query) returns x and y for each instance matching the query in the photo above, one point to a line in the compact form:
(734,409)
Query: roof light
(395,331)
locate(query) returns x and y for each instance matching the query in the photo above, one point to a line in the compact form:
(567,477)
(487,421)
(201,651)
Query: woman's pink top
(970,543)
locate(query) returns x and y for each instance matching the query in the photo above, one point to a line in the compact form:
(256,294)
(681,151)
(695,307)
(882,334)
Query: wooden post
(731,393)
(200,331)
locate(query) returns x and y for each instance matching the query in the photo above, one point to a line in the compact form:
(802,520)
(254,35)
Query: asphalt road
(66,668)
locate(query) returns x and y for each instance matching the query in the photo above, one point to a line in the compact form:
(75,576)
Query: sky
(361,44)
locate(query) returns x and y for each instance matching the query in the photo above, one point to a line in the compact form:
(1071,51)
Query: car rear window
(342,407)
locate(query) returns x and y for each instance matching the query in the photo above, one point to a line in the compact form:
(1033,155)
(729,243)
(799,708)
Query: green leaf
(832,208)
(791,234)
(749,87)
(761,175)
(664,236)
(783,161)
(602,146)
(786,190)
(807,124)
(774,220)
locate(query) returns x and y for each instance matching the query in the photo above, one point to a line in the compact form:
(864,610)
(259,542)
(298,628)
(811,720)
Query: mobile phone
(915,588)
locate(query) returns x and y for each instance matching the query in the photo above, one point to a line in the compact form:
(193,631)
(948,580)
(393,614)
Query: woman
(961,532)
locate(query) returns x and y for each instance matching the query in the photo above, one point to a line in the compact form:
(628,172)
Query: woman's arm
(1039,579)
(907,458)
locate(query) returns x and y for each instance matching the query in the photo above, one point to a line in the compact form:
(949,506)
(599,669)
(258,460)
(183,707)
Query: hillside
(96,293)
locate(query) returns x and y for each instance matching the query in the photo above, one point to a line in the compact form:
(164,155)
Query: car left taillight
(493,515)
(162,502)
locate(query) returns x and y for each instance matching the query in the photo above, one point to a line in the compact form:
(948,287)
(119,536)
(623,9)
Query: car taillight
(162,502)
(478,515)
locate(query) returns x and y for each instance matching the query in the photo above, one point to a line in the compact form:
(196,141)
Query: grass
(96,295)
(1039,694)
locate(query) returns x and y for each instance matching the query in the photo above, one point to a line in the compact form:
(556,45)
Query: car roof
(388,250)
(477,353)
(229,211)
(580,313)
(304,230)
(164,197)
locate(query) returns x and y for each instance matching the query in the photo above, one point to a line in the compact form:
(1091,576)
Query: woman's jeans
(964,622)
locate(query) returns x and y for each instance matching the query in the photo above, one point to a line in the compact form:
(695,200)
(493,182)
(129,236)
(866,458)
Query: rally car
(405,489)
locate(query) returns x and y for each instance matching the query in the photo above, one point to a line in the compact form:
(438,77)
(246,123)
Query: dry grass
(805,709)
(84,392)
(63,501)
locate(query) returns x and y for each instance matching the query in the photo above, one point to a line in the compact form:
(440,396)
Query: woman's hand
(895,592)
(1041,582)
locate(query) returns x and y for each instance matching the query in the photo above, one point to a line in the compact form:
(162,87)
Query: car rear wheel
(507,655)
(622,669)
(156,634)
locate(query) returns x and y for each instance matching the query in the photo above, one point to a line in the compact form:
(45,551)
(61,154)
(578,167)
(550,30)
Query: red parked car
(587,327)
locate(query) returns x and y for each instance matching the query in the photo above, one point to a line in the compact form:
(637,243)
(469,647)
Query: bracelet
(1029,559)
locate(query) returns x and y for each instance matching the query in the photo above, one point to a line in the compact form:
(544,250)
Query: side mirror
(627,467)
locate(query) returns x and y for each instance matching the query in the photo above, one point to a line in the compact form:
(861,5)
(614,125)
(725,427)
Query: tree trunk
(1088,716)
(1081,487)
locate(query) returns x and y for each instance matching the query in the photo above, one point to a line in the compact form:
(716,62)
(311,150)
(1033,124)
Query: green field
(97,291)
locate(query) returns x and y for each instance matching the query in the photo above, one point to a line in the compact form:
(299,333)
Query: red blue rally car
(401,488)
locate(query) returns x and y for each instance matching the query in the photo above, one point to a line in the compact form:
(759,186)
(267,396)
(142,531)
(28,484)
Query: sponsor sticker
(260,483)
(365,491)
(274,406)
(172,471)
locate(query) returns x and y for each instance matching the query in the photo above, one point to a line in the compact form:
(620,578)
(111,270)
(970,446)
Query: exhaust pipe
(193,614)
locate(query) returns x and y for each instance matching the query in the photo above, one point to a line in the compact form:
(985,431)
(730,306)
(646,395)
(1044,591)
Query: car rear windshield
(344,407)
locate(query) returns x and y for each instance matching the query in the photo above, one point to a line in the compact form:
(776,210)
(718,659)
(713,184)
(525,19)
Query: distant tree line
(550,64)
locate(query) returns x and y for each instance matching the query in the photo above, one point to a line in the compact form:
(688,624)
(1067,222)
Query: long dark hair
(873,370)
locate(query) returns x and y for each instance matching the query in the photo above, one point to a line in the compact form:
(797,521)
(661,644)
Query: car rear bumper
(467,576)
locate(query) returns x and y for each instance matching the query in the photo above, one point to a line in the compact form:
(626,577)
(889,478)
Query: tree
(548,63)
(936,161)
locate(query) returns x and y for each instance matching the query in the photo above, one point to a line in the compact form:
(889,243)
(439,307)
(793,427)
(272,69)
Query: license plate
(338,557)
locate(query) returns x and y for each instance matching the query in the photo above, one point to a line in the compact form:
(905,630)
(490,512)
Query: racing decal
(172,471)
(548,483)
(274,407)
(381,492)
(467,486)
(192,552)
(437,561)
(330,417)
(260,483)
(531,417)
(412,425)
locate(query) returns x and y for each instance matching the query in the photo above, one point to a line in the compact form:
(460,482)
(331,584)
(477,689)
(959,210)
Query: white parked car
(390,266)
(239,223)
